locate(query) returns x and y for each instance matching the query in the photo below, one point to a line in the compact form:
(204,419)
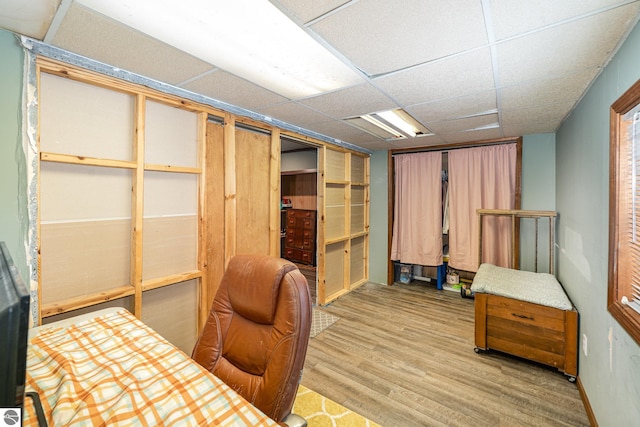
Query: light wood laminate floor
(403,355)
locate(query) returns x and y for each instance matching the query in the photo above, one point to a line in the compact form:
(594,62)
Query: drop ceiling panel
(462,106)
(306,10)
(564,49)
(528,129)
(231,89)
(380,36)
(553,114)
(542,92)
(511,18)
(341,130)
(425,141)
(375,146)
(92,35)
(29,17)
(362,138)
(460,75)
(350,102)
(294,113)
(477,135)
(429,57)
(460,125)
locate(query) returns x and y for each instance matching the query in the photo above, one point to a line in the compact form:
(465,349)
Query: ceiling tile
(380,36)
(379,146)
(564,49)
(233,90)
(551,113)
(351,102)
(294,113)
(306,10)
(540,92)
(466,124)
(477,135)
(430,57)
(530,128)
(460,75)
(423,141)
(362,138)
(29,17)
(100,38)
(516,17)
(462,106)
(336,128)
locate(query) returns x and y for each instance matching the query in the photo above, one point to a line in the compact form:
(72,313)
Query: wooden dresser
(300,239)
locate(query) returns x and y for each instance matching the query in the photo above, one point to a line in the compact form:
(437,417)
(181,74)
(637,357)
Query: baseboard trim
(587,404)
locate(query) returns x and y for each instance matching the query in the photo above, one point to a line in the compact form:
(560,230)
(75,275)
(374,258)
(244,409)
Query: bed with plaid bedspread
(115,370)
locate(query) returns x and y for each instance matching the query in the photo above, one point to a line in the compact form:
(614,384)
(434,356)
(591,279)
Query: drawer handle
(522,316)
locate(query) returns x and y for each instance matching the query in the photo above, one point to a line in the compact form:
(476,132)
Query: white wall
(299,160)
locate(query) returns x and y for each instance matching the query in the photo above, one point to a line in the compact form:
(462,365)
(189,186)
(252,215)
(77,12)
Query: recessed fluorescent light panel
(249,38)
(485,127)
(390,125)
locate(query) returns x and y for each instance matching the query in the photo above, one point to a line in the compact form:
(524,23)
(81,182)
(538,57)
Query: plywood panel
(85,120)
(214,209)
(83,193)
(334,270)
(171,135)
(358,260)
(171,312)
(252,192)
(169,245)
(78,258)
(335,166)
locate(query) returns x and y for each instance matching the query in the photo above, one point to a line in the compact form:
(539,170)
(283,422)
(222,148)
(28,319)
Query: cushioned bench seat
(527,315)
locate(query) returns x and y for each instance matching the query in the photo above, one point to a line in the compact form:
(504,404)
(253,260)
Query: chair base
(294,420)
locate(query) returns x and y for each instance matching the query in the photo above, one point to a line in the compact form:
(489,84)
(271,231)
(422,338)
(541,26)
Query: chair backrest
(256,336)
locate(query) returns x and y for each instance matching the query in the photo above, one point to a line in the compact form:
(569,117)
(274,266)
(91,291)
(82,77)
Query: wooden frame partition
(343,234)
(206,205)
(67,156)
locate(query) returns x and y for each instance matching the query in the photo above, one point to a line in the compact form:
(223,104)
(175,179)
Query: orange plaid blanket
(115,370)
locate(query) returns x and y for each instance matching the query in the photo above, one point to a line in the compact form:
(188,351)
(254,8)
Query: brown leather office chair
(256,335)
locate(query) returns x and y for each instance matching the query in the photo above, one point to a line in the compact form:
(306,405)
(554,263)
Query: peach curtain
(417,225)
(480,178)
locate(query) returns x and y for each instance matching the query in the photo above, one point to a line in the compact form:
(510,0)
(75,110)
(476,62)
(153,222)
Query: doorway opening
(299,207)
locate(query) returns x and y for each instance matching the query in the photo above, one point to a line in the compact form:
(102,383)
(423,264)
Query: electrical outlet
(584,344)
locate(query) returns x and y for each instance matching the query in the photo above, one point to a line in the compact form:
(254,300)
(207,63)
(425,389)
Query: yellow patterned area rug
(322,412)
